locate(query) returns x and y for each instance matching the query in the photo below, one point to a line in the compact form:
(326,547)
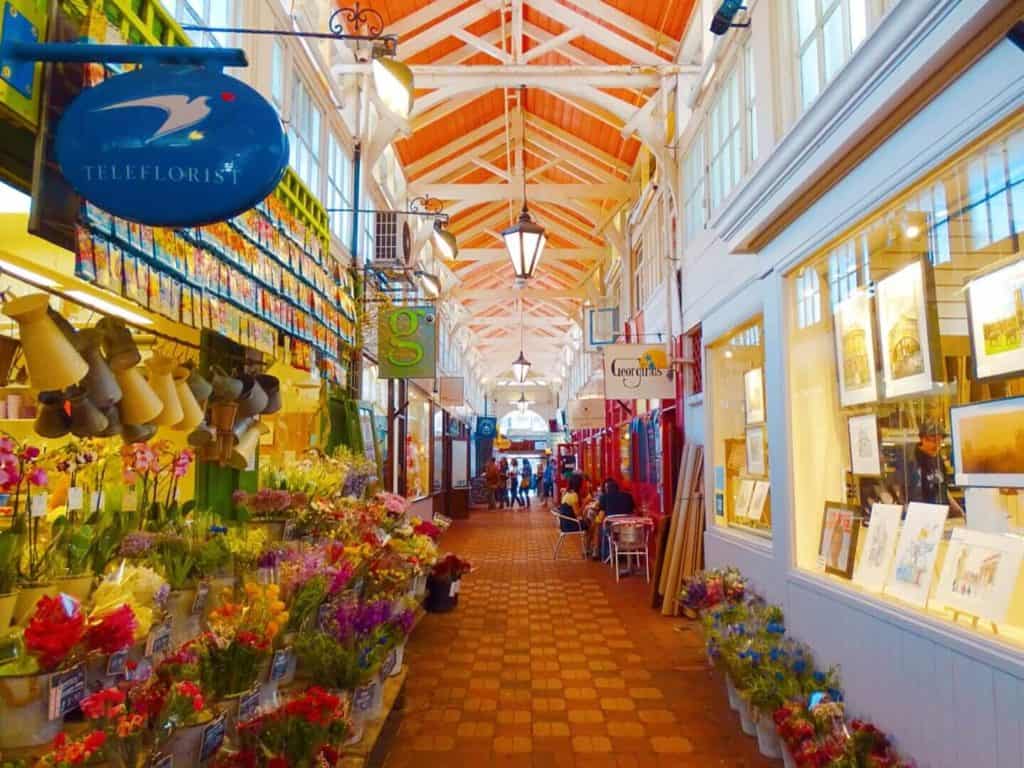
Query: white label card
(76,498)
(37,504)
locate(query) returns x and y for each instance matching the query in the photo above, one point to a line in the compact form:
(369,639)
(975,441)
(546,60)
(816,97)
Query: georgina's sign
(637,371)
(172,146)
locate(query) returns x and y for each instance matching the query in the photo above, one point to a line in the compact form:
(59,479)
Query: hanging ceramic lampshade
(113,422)
(138,433)
(99,382)
(192,413)
(139,403)
(201,388)
(51,418)
(243,456)
(86,419)
(161,379)
(53,362)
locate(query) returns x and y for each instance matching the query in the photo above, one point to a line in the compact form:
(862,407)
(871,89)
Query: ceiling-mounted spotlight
(443,239)
(431,284)
(393,81)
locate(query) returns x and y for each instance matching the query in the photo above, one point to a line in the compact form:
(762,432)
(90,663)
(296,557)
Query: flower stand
(747,718)
(25,712)
(730,688)
(768,742)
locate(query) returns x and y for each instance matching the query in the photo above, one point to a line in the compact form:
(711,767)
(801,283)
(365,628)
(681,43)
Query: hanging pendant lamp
(525,239)
(522,402)
(521,366)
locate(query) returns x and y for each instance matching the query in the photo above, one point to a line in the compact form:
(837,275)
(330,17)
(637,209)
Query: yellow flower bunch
(246,545)
(138,587)
(419,550)
(256,621)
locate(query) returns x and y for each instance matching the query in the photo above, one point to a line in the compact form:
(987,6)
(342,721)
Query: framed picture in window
(743,495)
(906,331)
(753,395)
(995,317)
(837,548)
(987,439)
(856,363)
(865,454)
(979,573)
(757,462)
(916,551)
(759,501)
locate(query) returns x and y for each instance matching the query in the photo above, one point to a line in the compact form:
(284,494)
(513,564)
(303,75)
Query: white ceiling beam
(461,158)
(569,162)
(631,25)
(419,122)
(465,76)
(557,132)
(554,163)
(529,322)
(487,255)
(644,115)
(571,52)
(517,31)
(570,18)
(506,294)
(482,45)
(539,192)
(490,168)
(456,147)
(429,13)
(460,55)
(552,44)
(433,34)
(430,100)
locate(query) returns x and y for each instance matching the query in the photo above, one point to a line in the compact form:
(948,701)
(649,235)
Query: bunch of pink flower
(393,503)
(17,464)
(139,459)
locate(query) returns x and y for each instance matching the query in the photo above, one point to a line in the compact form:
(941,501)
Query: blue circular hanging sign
(172,146)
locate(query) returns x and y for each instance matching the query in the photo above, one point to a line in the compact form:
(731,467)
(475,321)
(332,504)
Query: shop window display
(740,427)
(417,448)
(906,365)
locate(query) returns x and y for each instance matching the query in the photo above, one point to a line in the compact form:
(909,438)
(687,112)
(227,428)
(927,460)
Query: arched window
(523,421)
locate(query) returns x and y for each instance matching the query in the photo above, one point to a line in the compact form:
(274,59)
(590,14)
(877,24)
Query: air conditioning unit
(392,245)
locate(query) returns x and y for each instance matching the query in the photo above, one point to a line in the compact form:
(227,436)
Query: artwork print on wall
(904,331)
(855,350)
(916,550)
(865,455)
(753,395)
(838,545)
(988,443)
(995,312)
(880,546)
(756,460)
(980,573)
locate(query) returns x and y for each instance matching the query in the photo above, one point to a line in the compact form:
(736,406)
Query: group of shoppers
(509,482)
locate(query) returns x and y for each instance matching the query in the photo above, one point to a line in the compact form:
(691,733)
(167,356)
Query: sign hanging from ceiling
(407,343)
(172,146)
(636,372)
(587,413)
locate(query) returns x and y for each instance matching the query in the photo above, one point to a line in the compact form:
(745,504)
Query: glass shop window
(739,424)
(908,397)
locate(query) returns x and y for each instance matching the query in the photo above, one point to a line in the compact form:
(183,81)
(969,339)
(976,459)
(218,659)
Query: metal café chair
(629,537)
(568,526)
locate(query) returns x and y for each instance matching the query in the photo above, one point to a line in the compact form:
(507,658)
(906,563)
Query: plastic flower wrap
(52,636)
(140,588)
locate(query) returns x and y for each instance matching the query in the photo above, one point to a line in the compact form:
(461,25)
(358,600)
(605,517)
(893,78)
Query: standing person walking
(526,483)
(492,477)
(503,500)
(513,483)
(549,478)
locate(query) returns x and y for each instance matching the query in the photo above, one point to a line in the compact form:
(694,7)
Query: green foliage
(306,604)
(10,552)
(331,664)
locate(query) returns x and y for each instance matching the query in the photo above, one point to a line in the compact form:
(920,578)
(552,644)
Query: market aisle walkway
(553,665)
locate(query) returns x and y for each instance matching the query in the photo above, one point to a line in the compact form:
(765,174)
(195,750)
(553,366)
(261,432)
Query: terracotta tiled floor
(549,664)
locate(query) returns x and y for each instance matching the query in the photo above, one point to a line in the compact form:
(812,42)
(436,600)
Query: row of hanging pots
(231,434)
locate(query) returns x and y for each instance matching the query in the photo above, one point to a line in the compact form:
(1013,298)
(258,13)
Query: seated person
(612,502)
(570,506)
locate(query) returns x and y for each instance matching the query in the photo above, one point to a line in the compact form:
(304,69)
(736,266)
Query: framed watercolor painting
(758,501)
(838,545)
(980,573)
(918,546)
(743,496)
(905,331)
(757,461)
(855,350)
(987,440)
(865,454)
(879,547)
(753,396)
(995,316)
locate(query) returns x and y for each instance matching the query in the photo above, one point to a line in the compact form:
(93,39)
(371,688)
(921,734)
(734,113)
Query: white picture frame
(758,501)
(904,331)
(995,314)
(743,495)
(753,396)
(985,446)
(756,450)
(980,573)
(856,364)
(913,566)
(865,453)
(879,547)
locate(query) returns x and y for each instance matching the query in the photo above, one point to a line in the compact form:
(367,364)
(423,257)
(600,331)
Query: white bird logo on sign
(182,112)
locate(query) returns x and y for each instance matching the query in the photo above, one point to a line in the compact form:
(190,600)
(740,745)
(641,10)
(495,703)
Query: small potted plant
(443,584)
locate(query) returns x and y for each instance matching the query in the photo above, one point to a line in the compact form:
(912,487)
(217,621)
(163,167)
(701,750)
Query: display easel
(973,618)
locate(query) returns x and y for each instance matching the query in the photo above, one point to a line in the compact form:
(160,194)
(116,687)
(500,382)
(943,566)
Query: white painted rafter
(539,192)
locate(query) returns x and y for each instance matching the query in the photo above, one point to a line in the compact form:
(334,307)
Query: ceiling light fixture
(393,81)
(443,239)
(431,284)
(27,275)
(522,402)
(106,307)
(521,366)
(525,239)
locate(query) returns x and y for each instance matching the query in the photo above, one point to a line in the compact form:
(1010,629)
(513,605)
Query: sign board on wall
(407,341)
(587,413)
(603,326)
(452,391)
(22,21)
(172,146)
(637,371)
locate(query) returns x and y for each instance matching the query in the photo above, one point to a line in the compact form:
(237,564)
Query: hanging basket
(25,712)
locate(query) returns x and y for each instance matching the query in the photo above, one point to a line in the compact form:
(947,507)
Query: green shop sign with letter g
(407,339)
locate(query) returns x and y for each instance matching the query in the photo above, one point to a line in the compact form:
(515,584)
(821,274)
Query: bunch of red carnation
(427,528)
(55,629)
(452,567)
(113,632)
(65,752)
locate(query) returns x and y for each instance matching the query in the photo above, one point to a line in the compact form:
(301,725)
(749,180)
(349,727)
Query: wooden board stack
(685,547)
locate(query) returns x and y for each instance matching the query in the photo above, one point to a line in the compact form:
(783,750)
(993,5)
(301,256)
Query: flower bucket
(25,712)
(218,585)
(730,688)
(184,745)
(358,725)
(231,708)
(747,718)
(79,587)
(184,624)
(28,596)
(441,597)
(7,603)
(273,528)
(787,757)
(399,653)
(367,701)
(768,742)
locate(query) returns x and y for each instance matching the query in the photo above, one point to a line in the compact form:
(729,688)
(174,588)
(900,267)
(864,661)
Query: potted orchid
(155,470)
